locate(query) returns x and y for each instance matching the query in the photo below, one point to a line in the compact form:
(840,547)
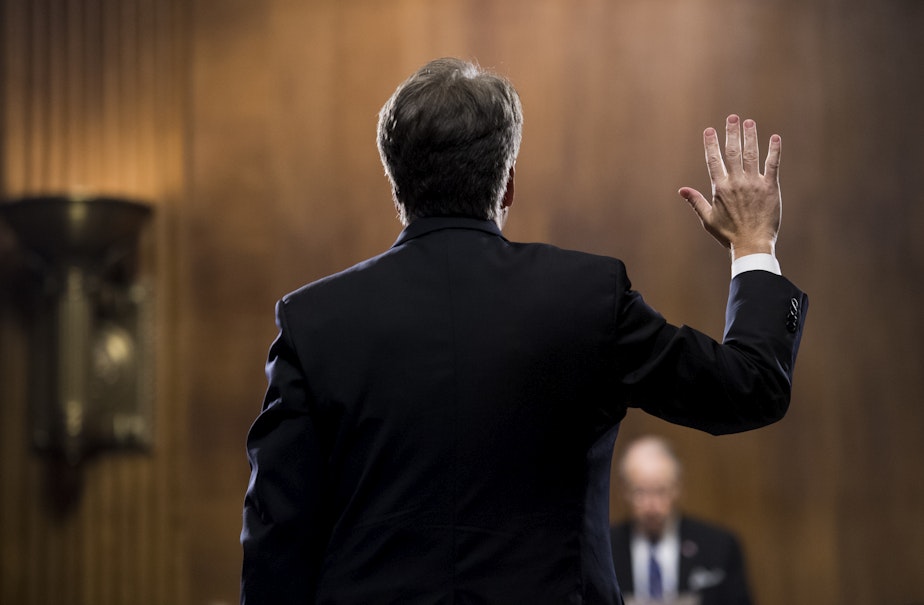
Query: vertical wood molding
(93,96)
(93,101)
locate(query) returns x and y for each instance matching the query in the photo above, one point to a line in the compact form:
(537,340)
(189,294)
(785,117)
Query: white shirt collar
(666,551)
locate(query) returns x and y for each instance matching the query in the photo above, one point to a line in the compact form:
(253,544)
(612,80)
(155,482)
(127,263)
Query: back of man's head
(448,138)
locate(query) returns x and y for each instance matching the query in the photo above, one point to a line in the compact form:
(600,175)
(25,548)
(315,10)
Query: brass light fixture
(91,384)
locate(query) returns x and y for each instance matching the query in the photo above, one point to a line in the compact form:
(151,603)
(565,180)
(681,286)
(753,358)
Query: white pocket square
(701,578)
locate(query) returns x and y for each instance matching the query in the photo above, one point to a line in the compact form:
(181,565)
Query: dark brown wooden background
(250,126)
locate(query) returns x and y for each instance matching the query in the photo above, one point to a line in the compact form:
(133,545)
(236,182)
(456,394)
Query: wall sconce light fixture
(91,383)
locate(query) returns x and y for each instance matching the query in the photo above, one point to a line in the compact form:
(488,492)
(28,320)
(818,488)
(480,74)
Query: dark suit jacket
(440,419)
(711,562)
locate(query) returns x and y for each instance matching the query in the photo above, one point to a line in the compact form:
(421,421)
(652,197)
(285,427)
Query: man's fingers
(751,155)
(714,162)
(697,201)
(772,164)
(706,213)
(733,143)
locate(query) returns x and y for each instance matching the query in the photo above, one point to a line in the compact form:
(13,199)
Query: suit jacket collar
(425,225)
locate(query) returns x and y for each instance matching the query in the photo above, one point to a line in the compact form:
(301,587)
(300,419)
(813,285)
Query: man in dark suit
(439,420)
(660,553)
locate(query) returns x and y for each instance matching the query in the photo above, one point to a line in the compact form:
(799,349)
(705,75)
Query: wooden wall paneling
(616,97)
(92,103)
(284,186)
(15,471)
(228,235)
(333,72)
(876,125)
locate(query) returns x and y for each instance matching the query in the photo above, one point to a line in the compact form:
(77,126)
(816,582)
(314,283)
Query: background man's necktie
(655,589)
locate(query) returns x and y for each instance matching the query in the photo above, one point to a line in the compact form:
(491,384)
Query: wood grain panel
(616,96)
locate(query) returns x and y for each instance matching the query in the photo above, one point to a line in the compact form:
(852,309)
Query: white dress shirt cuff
(755,262)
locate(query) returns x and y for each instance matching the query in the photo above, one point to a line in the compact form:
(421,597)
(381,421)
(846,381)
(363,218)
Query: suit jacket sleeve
(745,382)
(736,585)
(284,531)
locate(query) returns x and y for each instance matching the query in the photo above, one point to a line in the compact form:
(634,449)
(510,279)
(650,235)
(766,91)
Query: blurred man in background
(661,554)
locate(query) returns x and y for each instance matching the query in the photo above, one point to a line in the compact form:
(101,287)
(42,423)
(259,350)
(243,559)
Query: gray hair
(448,138)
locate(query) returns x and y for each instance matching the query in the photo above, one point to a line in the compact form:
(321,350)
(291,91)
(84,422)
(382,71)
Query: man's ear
(507,200)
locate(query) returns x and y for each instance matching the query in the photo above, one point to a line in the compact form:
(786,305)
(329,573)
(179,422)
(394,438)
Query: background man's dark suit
(711,562)
(440,419)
